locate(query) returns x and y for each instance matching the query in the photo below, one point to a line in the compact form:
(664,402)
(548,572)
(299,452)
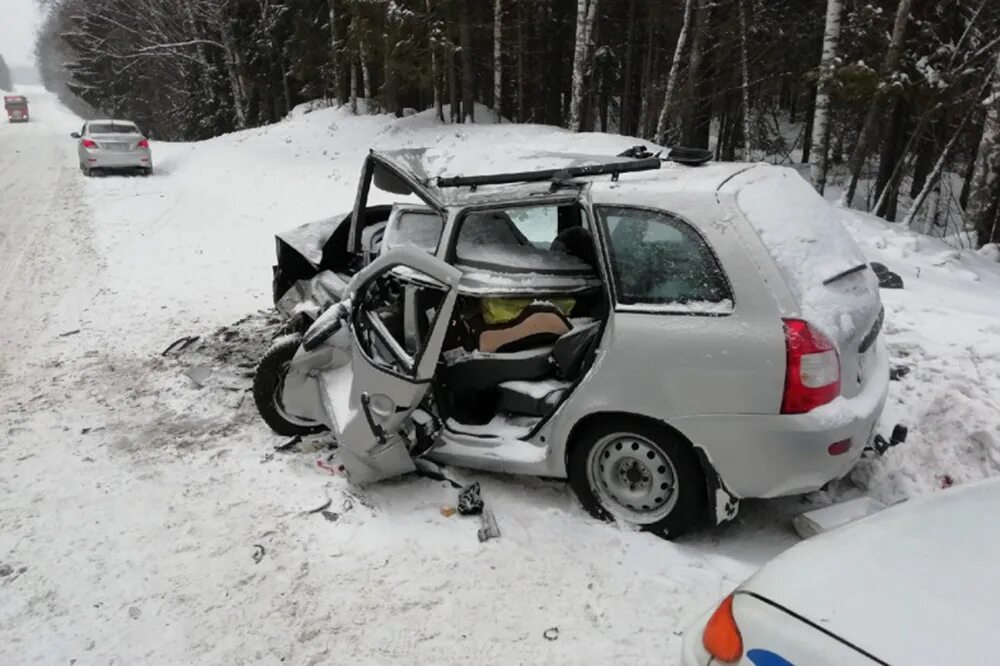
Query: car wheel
(87,171)
(147,171)
(268,384)
(638,473)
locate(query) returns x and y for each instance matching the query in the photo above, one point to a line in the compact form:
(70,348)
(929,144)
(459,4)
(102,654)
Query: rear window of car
(112,128)
(660,260)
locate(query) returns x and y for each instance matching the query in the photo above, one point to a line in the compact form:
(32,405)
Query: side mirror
(75,135)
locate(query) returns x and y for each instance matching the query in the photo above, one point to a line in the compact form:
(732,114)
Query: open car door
(401,310)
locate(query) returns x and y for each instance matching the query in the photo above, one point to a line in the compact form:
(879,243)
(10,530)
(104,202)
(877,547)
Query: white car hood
(916,584)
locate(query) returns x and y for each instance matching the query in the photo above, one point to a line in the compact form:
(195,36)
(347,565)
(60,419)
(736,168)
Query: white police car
(915,584)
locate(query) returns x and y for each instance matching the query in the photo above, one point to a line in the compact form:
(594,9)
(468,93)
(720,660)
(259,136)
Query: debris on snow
(470,501)
(489,529)
(178,346)
(321,508)
(199,374)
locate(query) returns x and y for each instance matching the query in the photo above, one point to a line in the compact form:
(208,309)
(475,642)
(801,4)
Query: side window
(414,228)
(532,239)
(659,259)
(395,315)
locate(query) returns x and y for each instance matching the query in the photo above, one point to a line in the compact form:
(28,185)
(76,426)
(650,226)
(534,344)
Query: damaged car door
(401,311)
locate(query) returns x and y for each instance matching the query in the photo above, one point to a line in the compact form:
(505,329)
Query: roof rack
(613,168)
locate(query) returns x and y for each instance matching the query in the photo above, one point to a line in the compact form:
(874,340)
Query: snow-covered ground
(147,518)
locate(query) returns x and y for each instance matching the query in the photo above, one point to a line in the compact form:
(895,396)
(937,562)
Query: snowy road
(146,518)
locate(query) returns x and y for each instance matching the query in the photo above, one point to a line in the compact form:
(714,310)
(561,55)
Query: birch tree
(747,147)
(819,153)
(586,10)
(675,65)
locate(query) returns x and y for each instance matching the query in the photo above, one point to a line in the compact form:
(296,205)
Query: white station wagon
(669,339)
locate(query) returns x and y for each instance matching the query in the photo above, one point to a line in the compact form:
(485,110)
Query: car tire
(147,171)
(268,382)
(639,473)
(87,171)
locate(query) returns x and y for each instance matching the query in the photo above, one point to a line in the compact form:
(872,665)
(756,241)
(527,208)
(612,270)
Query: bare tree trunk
(468,76)
(819,163)
(935,173)
(335,50)
(867,134)
(521,116)
(366,75)
(497,59)
(810,118)
(235,77)
(647,82)
(585,12)
(695,74)
(986,181)
(354,88)
(970,167)
(745,84)
(204,68)
(625,113)
(454,105)
(435,69)
(675,65)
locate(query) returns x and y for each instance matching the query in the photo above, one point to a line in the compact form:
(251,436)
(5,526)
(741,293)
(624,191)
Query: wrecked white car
(668,339)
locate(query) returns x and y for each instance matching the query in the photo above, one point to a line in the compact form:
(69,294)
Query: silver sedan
(112,145)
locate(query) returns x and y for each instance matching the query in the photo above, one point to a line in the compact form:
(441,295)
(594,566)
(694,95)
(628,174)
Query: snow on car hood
(810,245)
(915,584)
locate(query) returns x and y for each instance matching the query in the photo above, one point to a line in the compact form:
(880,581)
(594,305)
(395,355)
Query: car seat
(516,373)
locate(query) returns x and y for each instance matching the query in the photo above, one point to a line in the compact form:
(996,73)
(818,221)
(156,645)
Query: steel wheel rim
(279,406)
(632,478)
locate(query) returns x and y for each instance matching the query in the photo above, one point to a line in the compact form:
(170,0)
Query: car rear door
(401,310)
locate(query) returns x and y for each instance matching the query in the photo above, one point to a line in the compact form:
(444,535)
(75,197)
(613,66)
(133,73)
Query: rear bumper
(759,455)
(105,159)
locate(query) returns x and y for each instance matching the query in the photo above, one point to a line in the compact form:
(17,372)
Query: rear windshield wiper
(843,274)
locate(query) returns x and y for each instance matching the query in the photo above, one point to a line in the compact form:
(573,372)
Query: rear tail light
(721,637)
(87,143)
(143,143)
(812,374)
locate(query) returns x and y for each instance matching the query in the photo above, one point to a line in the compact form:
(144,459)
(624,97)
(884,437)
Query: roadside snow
(147,517)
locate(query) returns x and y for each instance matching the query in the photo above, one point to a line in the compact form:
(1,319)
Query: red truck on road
(17,108)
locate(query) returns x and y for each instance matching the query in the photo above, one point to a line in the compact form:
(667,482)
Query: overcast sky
(19,21)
